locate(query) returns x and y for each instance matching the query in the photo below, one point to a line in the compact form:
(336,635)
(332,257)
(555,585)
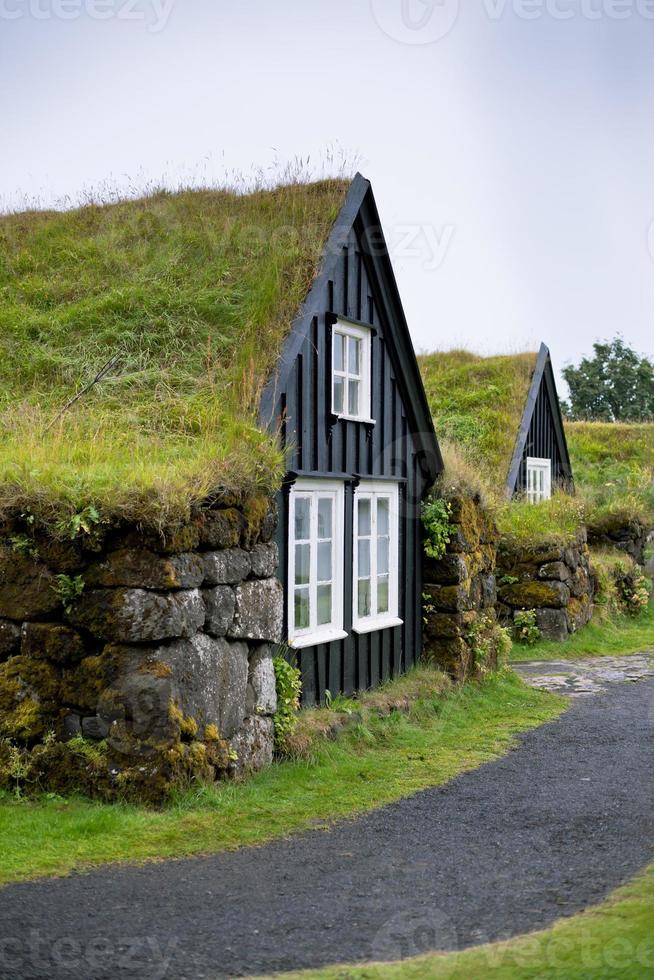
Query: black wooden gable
(356,283)
(541,433)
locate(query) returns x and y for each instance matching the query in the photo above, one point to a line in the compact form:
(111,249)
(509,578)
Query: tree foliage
(615,385)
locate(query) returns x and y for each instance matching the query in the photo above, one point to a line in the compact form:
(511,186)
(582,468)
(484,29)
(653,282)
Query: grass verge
(371,764)
(614,637)
(614,940)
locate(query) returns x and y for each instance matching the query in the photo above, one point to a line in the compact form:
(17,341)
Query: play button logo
(416,21)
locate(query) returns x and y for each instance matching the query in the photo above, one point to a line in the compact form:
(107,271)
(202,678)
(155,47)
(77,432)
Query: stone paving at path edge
(578,678)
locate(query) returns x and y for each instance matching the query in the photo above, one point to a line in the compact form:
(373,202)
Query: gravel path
(544,832)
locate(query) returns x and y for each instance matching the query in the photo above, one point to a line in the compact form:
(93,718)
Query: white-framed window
(539,479)
(351,347)
(376,552)
(315,562)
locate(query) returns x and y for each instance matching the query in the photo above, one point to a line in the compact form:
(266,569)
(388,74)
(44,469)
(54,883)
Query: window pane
(382,594)
(382,555)
(383,515)
(302,514)
(325,505)
(301,609)
(324,605)
(339,384)
(325,561)
(364,517)
(339,352)
(353,398)
(364,597)
(302,559)
(354,356)
(364,558)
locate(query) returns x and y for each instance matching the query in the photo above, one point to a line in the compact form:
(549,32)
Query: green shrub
(490,643)
(525,629)
(436,521)
(289,688)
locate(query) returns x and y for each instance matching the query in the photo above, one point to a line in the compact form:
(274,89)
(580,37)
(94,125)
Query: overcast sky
(510,142)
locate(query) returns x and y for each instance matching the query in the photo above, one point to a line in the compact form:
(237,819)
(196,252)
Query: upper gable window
(351,371)
(539,479)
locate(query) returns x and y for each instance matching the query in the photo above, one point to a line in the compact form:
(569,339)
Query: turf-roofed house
(215,442)
(504,413)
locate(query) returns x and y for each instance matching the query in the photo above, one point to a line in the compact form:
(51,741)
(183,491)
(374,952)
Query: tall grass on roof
(193,293)
(478,403)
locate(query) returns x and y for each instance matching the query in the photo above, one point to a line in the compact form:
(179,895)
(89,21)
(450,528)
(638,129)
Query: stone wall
(460,593)
(631,537)
(157,650)
(553,580)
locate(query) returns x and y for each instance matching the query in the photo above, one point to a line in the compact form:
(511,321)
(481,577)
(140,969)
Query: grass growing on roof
(388,758)
(478,403)
(194,293)
(613,464)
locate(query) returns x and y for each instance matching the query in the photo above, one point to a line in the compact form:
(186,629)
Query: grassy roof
(478,403)
(614,468)
(193,293)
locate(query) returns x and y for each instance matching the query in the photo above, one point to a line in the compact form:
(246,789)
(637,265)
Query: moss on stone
(531,595)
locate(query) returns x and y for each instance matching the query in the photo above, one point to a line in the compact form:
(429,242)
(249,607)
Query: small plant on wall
(490,644)
(436,519)
(526,630)
(289,688)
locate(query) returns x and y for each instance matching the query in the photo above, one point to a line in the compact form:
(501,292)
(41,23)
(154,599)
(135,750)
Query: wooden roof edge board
(542,371)
(558,423)
(302,322)
(359,200)
(400,345)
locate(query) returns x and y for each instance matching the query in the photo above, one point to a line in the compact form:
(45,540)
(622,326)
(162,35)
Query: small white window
(351,371)
(315,563)
(376,546)
(539,479)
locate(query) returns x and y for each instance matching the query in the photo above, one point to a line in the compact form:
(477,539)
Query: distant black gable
(541,433)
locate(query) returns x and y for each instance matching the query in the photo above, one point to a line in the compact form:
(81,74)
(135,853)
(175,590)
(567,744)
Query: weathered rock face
(137,615)
(226,567)
(630,537)
(156,648)
(145,570)
(554,581)
(259,611)
(459,595)
(220,604)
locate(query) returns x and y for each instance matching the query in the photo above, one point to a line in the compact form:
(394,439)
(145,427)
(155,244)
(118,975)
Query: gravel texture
(549,829)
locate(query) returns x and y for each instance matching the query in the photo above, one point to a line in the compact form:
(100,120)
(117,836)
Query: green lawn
(392,757)
(614,637)
(613,941)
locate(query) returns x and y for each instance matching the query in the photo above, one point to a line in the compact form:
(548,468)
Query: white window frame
(314,634)
(539,479)
(345,329)
(373,490)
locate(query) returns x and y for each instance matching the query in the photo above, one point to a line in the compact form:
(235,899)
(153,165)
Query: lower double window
(317,557)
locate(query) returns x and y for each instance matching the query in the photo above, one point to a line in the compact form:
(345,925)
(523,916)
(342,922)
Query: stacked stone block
(164,656)
(552,580)
(460,589)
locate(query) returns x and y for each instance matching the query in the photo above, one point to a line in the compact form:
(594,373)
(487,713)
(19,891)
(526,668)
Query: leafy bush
(289,688)
(69,589)
(436,521)
(525,629)
(620,585)
(490,643)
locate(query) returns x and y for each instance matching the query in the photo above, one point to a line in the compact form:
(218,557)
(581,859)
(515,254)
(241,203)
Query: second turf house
(215,441)
(504,413)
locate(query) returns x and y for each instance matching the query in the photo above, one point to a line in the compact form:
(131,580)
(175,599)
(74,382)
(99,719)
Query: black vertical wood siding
(318,444)
(542,441)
